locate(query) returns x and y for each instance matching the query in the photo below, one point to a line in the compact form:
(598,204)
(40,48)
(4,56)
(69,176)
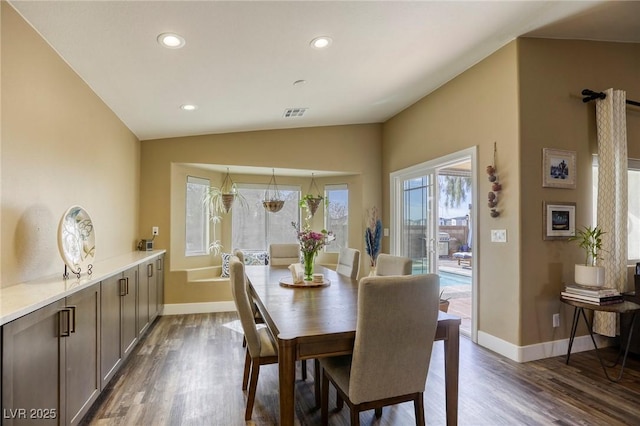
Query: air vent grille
(294,112)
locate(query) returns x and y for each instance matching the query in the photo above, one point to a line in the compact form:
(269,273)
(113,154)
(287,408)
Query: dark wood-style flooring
(188,371)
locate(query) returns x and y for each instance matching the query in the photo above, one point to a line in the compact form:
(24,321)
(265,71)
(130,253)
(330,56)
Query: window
(336,217)
(633,206)
(196,217)
(254,228)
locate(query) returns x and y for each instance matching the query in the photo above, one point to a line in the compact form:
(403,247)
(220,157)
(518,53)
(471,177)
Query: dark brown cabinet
(57,359)
(50,362)
(118,321)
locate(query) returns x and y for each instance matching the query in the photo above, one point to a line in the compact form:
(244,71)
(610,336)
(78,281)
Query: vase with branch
(373,236)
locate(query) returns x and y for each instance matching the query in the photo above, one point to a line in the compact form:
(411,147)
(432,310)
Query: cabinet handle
(123,287)
(127,285)
(72,314)
(65,324)
(150,270)
(159,264)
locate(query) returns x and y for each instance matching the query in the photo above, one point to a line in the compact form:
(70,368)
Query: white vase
(589,275)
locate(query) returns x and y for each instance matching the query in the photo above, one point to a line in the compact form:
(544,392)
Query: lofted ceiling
(241,58)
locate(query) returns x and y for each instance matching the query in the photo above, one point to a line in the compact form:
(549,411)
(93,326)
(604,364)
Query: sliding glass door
(417,226)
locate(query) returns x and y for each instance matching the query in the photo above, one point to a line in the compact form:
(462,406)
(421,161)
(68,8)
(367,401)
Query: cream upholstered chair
(284,254)
(388,265)
(348,262)
(261,347)
(390,359)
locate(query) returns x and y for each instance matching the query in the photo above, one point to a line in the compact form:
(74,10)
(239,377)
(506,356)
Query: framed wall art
(559,220)
(558,168)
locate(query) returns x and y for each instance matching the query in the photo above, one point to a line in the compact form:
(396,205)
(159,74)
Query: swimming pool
(448,278)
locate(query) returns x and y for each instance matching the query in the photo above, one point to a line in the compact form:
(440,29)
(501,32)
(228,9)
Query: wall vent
(294,112)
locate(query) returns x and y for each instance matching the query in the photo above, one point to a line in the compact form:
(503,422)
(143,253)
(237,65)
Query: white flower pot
(589,275)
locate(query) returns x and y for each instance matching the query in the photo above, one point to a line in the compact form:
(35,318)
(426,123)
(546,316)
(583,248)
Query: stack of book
(592,295)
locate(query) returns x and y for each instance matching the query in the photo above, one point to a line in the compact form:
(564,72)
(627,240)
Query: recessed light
(171,40)
(321,42)
(188,107)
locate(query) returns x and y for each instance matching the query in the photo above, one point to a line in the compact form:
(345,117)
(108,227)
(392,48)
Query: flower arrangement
(373,236)
(311,242)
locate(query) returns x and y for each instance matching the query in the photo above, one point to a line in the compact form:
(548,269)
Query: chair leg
(355,417)
(317,378)
(304,369)
(324,405)
(378,412)
(247,369)
(339,402)
(244,341)
(253,385)
(418,404)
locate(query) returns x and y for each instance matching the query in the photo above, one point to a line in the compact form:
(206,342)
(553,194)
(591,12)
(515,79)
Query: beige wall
(552,75)
(60,146)
(477,108)
(351,150)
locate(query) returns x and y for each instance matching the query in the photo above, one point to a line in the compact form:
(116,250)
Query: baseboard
(540,350)
(198,308)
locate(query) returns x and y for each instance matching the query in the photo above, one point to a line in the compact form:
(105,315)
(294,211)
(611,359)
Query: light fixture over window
(321,42)
(171,40)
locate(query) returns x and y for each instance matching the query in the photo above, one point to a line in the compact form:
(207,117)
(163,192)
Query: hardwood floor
(188,371)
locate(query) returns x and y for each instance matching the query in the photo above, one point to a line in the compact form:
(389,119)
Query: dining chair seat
(284,254)
(261,346)
(395,327)
(388,265)
(348,262)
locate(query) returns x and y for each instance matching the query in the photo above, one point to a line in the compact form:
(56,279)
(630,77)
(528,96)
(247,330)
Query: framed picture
(558,168)
(559,220)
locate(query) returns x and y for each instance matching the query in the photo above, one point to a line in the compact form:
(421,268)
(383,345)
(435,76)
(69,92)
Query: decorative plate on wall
(76,239)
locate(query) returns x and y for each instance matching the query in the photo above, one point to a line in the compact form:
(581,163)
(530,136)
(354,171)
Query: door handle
(72,314)
(123,287)
(150,270)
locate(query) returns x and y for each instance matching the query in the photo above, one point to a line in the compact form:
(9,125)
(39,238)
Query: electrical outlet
(154,231)
(498,235)
(556,320)
(386,232)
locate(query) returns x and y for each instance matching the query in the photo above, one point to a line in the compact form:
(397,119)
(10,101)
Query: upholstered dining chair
(284,254)
(388,265)
(348,262)
(397,349)
(261,347)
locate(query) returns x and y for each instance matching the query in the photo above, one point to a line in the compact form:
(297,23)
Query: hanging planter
(228,191)
(313,199)
(273,202)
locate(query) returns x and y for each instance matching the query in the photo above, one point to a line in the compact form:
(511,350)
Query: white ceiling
(242,57)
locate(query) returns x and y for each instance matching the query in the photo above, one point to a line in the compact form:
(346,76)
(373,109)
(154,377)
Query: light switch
(498,235)
(386,232)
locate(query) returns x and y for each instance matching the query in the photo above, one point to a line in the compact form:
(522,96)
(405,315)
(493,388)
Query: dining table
(319,320)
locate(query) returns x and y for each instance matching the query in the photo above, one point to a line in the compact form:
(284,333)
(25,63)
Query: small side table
(618,308)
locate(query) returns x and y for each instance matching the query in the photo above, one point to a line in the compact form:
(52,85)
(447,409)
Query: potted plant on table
(590,240)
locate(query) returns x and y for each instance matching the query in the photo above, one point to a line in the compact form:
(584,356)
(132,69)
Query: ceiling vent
(294,112)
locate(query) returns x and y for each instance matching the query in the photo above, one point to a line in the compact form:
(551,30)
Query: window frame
(204,223)
(334,247)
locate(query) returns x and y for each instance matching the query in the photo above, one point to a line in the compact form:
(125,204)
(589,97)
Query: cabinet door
(154,306)
(129,326)
(32,376)
(143,295)
(111,290)
(160,281)
(82,349)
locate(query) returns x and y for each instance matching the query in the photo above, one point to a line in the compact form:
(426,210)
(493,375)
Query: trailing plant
(214,199)
(590,240)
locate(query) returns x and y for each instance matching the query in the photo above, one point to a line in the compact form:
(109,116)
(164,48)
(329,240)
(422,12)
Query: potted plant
(311,202)
(590,240)
(444,302)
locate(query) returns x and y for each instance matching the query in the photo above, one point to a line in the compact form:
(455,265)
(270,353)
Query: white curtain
(612,198)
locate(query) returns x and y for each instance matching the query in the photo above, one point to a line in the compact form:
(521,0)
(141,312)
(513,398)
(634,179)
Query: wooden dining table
(316,322)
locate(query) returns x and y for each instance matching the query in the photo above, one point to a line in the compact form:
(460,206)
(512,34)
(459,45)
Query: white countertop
(24,298)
